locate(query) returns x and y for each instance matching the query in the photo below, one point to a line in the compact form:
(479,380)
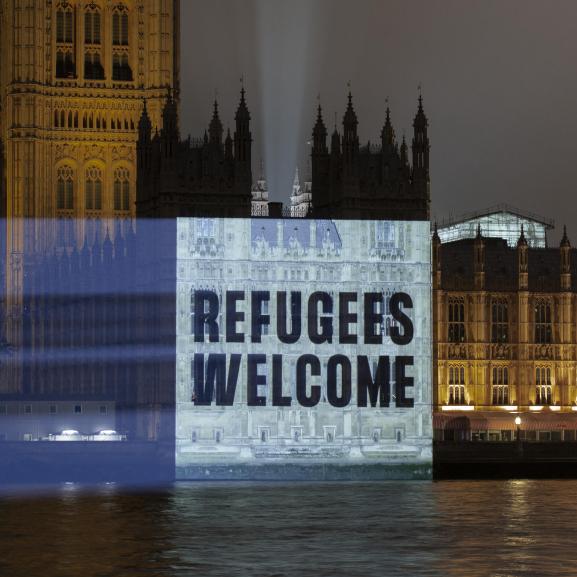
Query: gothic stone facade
(504,324)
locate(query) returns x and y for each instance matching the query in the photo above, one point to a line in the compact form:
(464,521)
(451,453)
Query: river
(450,528)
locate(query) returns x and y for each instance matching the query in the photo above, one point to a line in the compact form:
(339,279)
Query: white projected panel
(303,349)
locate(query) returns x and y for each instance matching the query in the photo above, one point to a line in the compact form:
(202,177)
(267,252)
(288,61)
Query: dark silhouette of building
(371,181)
(208,177)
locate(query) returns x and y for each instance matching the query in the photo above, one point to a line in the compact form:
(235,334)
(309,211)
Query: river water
(449,528)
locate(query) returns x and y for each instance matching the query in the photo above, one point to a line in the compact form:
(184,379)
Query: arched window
(65,188)
(92,26)
(65,67)
(121,70)
(456,323)
(64,24)
(94,188)
(456,385)
(543,327)
(120,26)
(122,190)
(544,388)
(500,386)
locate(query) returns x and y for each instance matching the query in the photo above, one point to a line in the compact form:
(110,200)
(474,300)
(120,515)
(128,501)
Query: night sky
(499,83)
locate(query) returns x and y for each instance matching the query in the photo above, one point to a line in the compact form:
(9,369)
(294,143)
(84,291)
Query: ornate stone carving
(122,153)
(66,151)
(93,152)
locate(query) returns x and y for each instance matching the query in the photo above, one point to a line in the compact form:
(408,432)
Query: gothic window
(120,26)
(500,384)
(121,70)
(500,321)
(544,387)
(65,24)
(456,320)
(65,67)
(122,190)
(93,69)
(65,188)
(93,189)
(456,385)
(92,26)
(543,328)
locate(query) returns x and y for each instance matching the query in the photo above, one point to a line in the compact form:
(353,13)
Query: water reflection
(478,529)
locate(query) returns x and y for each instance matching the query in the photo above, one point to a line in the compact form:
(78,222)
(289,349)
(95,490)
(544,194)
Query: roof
(498,209)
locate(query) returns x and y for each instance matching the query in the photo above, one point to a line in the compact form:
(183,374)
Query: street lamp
(518,423)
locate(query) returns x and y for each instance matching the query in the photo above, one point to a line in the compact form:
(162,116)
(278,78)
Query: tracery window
(500,321)
(544,387)
(121,70)
(543,326)
(93,69)
(456,320)
(456,385)
(93,189)
(500,386)
(65,65)
(122,190)
(92,26)
(65,188)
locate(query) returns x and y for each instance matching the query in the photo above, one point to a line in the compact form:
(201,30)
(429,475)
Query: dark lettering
(326,333)
(204,318)
(379,388)
(254,381)
(281,318)
(373,318)
(394,306)
(346,318)
(345,398)
(258,319)
(278,400)
(402,382)
(233,316)
(315,396)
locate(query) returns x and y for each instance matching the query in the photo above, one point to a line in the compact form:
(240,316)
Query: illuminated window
(120,26)
(122,190)
(500,321)
(121,70)
(93,189)
(65,66)
(456,320)
(65,188)
(456,385)
(65,24)
(543,327)
(544,387)
(92,26)
(93,69)
(500,382)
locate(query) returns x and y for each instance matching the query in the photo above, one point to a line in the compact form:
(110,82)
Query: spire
(215,130)
(228,146)
(297,182)
(242,113)
(320,134)
(404,153)
(144,124)
(522,240)
(479,235)
(388,132)
(436,237)
(565,240)
(350,121)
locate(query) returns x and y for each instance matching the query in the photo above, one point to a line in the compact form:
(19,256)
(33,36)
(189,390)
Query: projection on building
(303,349)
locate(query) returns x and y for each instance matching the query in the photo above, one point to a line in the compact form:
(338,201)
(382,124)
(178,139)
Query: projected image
(303,349)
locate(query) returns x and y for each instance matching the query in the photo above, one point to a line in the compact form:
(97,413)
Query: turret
(215,129)
(388,135)
(479,267)
(319,135)
(565,250)
(350,136)
(421,147)
(243,148)
(523,261)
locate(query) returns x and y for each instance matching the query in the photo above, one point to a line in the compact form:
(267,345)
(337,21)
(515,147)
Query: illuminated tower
(74,75)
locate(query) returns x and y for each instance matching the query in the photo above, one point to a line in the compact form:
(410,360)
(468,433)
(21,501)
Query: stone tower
(74,76)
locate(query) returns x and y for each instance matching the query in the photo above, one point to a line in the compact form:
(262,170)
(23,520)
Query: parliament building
(504,322)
